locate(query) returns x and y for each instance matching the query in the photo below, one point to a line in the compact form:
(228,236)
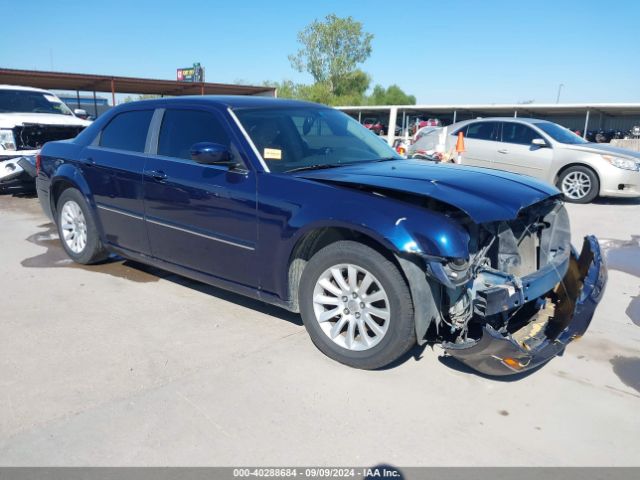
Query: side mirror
(209,153)
(80,112)
(539,142)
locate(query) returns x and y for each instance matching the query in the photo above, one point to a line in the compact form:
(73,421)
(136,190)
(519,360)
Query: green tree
(393,95)
(331,50)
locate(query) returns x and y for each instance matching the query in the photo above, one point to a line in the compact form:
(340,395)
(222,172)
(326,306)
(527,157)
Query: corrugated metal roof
(551,108)
(105,83)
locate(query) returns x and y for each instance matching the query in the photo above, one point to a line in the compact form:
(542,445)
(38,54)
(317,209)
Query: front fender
(400,227)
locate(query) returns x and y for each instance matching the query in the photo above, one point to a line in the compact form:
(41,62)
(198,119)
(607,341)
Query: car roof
(28,89)
(500,119)
(228,101)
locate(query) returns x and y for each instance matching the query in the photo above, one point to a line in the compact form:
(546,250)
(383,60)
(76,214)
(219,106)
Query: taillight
(38,163)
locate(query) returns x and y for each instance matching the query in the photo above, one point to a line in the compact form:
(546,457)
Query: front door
(202,217)
(113,166)
(517,153)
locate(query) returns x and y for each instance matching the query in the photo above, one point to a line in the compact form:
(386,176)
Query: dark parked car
(299,205)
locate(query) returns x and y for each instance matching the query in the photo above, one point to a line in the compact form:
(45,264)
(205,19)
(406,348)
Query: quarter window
(484,131)
(181,129)
(127,131)
(518,133)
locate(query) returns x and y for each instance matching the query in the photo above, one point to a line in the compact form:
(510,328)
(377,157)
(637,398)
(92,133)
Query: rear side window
(484,131)
(127,131)
(182,128)
(518,133)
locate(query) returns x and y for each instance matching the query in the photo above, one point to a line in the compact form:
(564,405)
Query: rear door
(481,142)
(113,166)
(201,217)
(517,154)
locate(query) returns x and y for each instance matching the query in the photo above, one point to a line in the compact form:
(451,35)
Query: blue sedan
(298,205)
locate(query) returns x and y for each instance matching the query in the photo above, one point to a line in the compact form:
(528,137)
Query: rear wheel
(356,306)
(77,228)
(579,184)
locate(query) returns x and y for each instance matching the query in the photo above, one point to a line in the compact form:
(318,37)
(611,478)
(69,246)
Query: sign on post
(191,74)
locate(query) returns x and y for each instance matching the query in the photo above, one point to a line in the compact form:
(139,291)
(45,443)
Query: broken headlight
(450,272)
(7,140)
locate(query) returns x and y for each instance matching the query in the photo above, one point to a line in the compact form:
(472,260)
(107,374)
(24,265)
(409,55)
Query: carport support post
(359,116)
(515,114)
(404,119)
(586,125)
(391,134)
(78,98)
(113,92)
(455,116)
(95,105)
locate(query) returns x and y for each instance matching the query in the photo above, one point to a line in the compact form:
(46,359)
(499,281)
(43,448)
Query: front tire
(579,184)
(77,229)
(356,306)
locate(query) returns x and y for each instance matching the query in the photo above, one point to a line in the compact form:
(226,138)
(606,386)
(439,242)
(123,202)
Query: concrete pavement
(120,364)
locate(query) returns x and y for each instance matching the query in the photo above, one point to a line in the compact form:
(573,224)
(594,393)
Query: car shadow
(415,353)
(616,201)
(19,191)
(232,297)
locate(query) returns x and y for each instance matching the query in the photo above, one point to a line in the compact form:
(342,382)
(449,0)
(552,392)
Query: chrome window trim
(249,141)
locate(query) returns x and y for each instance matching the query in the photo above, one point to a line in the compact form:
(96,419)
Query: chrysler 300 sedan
(298,205)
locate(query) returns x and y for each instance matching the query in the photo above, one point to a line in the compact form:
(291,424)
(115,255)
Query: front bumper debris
(17,171)
(570,308)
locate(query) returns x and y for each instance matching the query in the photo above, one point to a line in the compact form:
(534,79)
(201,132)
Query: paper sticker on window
(52,99)
(272,154)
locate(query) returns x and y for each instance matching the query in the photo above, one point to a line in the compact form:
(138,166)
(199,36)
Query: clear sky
(459,51)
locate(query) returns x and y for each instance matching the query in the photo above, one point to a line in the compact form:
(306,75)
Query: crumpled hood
(604,149)
(10,120)
(486,195)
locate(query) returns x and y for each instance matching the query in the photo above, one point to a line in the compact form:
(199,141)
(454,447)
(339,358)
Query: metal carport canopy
(540,108)
(496,110)
(114,84)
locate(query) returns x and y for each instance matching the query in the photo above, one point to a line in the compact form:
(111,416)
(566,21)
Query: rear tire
(579,184)
(373,324)
(77,229)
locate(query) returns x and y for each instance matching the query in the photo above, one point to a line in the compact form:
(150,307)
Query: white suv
(30,117)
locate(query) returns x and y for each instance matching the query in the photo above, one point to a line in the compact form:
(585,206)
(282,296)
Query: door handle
(503,150)
(158,175)
(89,162)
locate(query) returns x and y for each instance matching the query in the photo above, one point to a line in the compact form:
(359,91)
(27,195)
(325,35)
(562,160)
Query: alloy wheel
(576,185)
(351,307)
(74,227)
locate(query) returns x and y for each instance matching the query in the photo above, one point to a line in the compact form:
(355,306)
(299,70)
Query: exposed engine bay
(498,280)
(520,285)
(32,136)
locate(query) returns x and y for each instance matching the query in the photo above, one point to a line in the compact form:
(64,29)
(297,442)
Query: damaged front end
(521,296)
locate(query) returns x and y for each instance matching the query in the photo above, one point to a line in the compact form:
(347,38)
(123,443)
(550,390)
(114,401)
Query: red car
(375,125)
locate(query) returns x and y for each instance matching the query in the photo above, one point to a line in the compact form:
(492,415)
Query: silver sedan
(545,150)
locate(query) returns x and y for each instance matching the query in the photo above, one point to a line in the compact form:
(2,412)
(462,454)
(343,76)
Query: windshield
(560,134)
(291,138)
(25,101)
